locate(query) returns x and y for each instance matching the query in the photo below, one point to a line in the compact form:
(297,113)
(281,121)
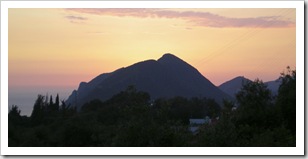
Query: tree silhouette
(286,99)
(38,110)
(254,100)
(14,115)
(57,103)
(14,111)
(50,101)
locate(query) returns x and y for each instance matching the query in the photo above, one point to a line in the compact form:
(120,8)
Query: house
(194,124)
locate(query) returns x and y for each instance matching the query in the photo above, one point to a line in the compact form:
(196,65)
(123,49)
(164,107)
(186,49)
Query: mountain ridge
(167,77)
(231,87)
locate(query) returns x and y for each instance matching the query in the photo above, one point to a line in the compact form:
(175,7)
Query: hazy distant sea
(25,98)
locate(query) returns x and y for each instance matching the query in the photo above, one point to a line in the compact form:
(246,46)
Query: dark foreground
(130,118)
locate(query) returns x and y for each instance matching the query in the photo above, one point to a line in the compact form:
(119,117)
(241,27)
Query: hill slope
(234,85)
(167,77)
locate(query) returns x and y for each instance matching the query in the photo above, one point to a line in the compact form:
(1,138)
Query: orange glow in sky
(62,47)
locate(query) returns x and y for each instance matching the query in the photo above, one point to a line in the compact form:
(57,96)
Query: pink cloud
(205,19)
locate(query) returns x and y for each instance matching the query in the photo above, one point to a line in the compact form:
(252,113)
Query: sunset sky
(55,49)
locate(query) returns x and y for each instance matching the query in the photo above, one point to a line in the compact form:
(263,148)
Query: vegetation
(130,118)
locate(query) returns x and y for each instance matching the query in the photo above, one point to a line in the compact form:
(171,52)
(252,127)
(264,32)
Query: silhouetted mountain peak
(234,85)
(177,65)
(239,77)
(143,63)
(167,77)
(168,57)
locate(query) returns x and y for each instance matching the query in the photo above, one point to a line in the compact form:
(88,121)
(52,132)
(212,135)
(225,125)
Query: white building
(194,124)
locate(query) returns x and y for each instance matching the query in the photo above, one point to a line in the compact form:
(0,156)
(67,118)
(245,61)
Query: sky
(53,50)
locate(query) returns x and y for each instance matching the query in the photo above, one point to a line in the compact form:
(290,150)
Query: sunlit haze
(53,50)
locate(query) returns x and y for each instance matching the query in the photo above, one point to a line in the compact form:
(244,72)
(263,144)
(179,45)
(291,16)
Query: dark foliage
(130,118)
(286,99)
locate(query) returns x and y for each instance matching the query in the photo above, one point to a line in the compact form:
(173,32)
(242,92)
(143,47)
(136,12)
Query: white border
(151,4)
(298,150)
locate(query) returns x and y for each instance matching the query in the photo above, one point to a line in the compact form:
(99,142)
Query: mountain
(169,76)
(273,86)
(234,85)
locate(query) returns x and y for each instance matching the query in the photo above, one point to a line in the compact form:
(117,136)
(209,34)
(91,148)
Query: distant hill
(273,86)
(234,85)
(169,76)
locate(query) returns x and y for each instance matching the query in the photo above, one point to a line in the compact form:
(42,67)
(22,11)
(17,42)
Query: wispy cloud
(76,19)
(205,19)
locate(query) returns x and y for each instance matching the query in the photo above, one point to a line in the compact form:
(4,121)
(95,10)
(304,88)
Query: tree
(213,108)
(14,111)
(51,101)
(254,100)
(14,115)
(227,109)
(286,99)
(254,93)
(57,104)
(38,110)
